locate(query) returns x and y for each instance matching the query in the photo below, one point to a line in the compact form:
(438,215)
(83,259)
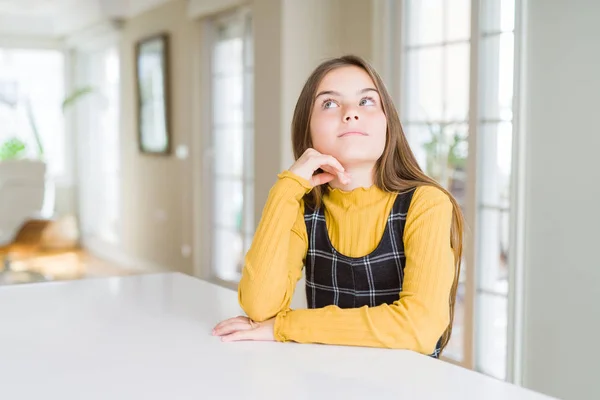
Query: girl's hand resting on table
(311,160)
(243,328)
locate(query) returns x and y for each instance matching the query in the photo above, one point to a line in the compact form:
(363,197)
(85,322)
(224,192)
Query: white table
(148,337)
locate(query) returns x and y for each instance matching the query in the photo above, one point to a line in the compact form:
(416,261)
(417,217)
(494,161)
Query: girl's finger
(322,178)
(344,177)
(324,160)
(229,321)
(232,327)
(333,166)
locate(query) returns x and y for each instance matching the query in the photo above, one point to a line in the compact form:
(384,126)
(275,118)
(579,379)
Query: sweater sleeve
(419,317)
(274,262)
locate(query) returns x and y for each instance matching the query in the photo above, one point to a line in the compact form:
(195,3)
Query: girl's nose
(351,116)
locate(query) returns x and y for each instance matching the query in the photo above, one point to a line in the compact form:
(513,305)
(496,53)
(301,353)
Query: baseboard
(113,253)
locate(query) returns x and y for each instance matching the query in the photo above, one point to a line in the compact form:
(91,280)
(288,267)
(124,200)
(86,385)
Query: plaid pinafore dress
(352,282)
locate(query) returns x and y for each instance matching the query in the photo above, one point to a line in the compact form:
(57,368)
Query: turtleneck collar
(355,199)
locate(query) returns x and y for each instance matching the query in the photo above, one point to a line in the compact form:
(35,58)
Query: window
(435,113)
(99,149)
(32,89)
(232,224)
(494,138)
(435,106)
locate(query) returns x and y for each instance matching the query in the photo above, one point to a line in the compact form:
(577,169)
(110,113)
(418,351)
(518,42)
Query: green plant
(31,119)
(14,148)
(11,149)
(76,95)
(446,151)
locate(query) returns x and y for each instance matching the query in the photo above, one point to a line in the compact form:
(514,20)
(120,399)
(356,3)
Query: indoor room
(153,151)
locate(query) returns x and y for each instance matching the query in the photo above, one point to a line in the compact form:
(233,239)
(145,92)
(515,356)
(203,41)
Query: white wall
(312,31)
(562,289)
(291,38)
(157,204)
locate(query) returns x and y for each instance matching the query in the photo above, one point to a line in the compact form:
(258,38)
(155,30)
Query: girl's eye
(367,101)
(329,104)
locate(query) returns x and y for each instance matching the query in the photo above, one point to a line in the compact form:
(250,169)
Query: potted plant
(447,155)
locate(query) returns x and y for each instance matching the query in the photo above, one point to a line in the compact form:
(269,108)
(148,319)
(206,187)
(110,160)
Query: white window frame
(81,46)
(205,244)
(388,50)
(84,117)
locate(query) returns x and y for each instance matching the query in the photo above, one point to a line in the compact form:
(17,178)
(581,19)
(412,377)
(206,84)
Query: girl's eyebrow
(334,93)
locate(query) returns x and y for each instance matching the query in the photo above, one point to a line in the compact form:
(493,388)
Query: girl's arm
(418,319)
(274,262)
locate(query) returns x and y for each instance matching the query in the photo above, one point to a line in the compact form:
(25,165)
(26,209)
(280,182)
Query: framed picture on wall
(152,81)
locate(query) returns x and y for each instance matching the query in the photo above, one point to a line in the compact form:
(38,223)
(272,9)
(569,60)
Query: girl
(380,241)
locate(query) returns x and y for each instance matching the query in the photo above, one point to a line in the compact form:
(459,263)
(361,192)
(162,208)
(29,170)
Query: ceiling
(57,18)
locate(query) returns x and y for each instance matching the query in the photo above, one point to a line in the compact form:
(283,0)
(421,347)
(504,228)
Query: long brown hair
(396,170)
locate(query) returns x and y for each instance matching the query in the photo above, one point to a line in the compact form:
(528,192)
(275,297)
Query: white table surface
(148,337)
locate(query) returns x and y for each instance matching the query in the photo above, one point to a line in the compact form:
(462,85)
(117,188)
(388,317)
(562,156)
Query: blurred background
(139,136)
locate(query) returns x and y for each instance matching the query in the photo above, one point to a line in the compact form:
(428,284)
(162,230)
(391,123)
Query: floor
(67,265)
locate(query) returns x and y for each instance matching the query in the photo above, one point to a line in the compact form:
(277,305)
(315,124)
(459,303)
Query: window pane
(228,54)
(423,84)
(228,203)
(456,135)
(426,21)
(98,139)
(491,335)
(493,250)
(455,347)
(458,20)
(456,103)
(228,100)
(496,90)
(418,135)
(248,42)
(229,150)
(31,94)
(441,150)
(495,149)
(232,141)
(248,98)
(497,15)
(228,254)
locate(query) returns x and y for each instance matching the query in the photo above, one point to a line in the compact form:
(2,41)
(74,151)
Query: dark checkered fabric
(351,282)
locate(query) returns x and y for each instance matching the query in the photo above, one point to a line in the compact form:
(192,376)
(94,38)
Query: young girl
(380,241)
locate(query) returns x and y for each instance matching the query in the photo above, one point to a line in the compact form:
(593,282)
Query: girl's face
(347,120)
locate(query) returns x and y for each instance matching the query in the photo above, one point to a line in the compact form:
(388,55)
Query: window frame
(85,64)
(243,16)
(389,58)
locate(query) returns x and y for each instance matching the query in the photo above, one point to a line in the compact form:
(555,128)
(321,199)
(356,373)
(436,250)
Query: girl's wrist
(287,174)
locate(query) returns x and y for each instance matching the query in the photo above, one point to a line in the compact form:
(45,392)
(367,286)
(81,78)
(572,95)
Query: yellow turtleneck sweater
(355,221)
